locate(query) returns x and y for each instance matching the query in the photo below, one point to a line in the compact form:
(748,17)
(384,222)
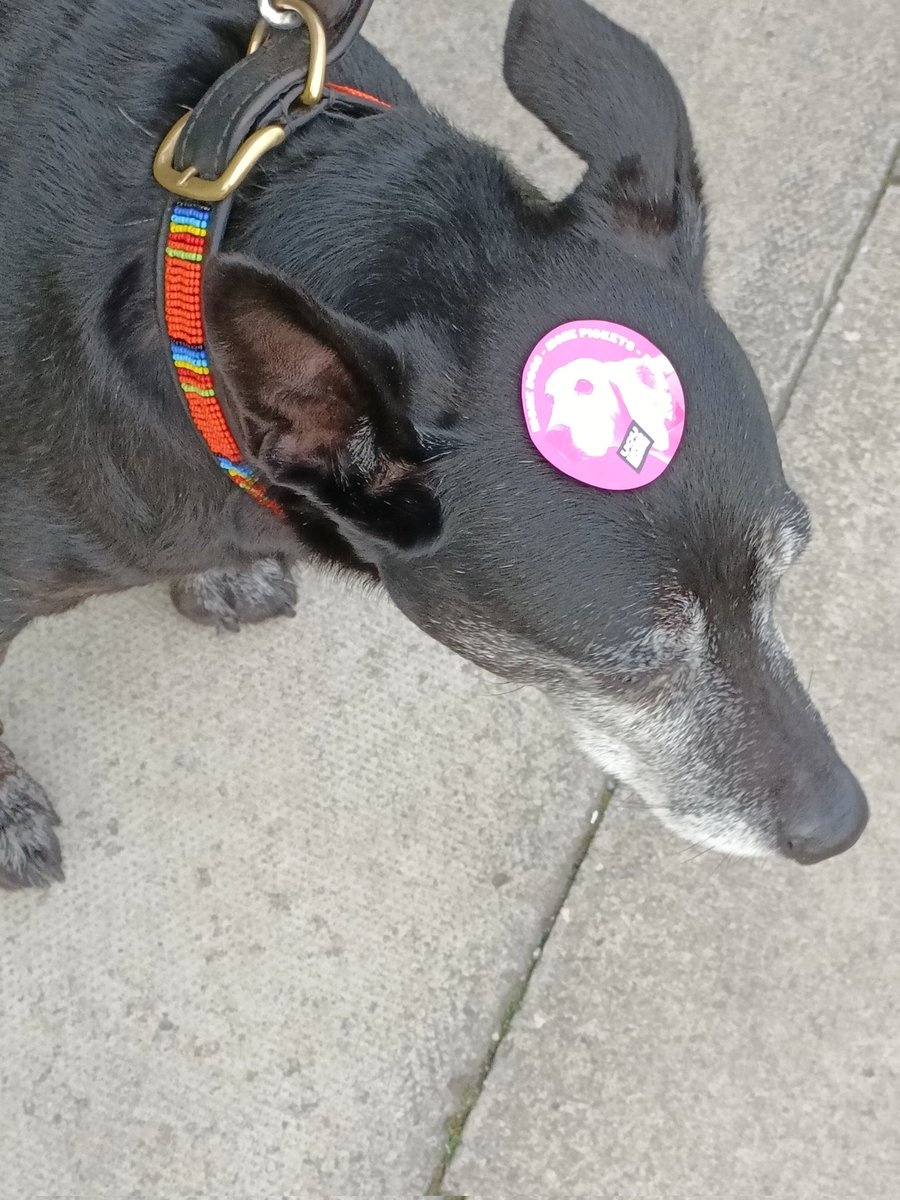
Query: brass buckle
(187,183)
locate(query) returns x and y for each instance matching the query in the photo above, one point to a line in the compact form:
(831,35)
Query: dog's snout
(827,823)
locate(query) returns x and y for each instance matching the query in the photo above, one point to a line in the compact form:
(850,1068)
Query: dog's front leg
(29,849)
(233,597)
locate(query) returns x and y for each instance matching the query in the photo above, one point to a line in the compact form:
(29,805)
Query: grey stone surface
(305,864)
(706,1027)
(293,918)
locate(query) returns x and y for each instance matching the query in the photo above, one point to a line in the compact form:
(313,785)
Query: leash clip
(187,183)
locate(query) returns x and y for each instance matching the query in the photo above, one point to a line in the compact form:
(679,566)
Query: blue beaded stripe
(195,355)
(186,214)
(238,468)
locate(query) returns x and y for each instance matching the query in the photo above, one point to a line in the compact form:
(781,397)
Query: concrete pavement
(294,953)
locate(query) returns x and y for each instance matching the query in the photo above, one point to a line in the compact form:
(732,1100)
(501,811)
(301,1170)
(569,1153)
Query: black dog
(384,282)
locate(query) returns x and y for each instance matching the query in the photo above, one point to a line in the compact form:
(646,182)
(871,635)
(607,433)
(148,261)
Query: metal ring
(280,18)
(306,15)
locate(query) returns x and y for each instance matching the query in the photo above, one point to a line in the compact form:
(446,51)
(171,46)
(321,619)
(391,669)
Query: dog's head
(647,614)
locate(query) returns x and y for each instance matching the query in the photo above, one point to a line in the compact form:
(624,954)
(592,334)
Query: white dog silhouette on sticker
(603,404)
(587,398)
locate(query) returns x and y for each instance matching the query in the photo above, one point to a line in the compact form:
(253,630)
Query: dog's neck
(378,217)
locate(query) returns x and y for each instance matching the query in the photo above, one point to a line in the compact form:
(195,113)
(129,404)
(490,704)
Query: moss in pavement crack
(457,1122)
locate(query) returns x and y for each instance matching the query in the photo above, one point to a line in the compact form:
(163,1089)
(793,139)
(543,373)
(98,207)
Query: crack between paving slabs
(891,175)
(456,1123)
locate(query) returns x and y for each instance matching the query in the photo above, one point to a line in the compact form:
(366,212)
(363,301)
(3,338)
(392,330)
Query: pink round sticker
(603,404)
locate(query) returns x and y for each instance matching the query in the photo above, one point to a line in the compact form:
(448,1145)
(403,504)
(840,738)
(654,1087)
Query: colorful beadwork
(182,283)
(183,307)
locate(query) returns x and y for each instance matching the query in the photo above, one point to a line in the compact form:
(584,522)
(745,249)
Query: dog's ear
(606,96)
(318,406)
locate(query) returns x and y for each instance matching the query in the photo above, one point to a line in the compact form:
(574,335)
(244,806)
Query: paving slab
(304,866)
(699,1026)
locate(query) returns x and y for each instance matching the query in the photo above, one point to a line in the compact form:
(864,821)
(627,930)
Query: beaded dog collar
(183,279)
(203,159)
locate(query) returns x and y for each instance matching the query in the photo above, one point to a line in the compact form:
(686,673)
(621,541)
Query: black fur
(406,273)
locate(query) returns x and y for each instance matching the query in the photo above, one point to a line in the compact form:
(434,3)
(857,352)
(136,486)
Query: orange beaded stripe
(183,273)
(352,91)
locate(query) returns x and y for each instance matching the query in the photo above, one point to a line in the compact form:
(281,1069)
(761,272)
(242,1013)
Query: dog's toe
(231,598)
(29,849)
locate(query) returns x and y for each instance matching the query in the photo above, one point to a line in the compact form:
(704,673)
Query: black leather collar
(260,89)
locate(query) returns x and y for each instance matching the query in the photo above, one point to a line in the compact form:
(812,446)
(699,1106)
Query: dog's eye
(787,536)
(644,686)
(791,536)
(640,672)
(792,547)
(674,639)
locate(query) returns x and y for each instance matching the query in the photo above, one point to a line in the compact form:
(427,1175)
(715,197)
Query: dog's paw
(231,598)
(29,849)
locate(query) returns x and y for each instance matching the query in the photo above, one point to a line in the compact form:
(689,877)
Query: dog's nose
(816,832)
